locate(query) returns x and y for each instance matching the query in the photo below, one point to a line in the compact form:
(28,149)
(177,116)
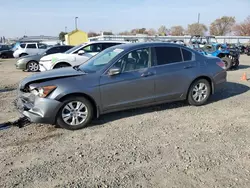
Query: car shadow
(244,66)
(2,90)
(228,90)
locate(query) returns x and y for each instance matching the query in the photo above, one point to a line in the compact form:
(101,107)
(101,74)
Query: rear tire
(228,62)
(199,92)
(75,108)
(61,65)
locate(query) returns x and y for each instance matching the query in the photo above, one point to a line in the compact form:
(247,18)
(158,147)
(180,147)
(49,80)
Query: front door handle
(147,74)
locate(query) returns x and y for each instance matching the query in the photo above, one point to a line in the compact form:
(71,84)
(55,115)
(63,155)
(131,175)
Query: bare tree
(125,33)
(151,32)
(222,26)
(162,31)
(177,30)
(196,29)
(62,36)
(92,34)
(243,29)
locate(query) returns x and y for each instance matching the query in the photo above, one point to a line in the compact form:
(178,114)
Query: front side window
(168,55)
(93,48)
(31,46)
(133,61)
(42,46)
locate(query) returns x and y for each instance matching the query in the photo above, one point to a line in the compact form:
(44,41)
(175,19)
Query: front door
(134,86)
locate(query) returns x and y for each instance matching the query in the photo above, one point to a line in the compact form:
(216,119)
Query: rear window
(187,56)
(168,55)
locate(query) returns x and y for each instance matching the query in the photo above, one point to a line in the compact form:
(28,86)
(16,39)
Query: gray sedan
(31,62)
(121,77)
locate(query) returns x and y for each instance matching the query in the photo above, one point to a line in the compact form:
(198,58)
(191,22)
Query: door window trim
(155,58)
(105,72)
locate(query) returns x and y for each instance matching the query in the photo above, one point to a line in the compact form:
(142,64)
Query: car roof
(105,41)
(147,44)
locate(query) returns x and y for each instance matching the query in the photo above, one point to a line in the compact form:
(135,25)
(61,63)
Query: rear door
(31,48)
(174,69)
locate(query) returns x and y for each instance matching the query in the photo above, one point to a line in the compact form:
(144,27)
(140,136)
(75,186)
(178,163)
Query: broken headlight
(42,91)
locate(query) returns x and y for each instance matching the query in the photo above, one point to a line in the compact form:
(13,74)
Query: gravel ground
(171,145)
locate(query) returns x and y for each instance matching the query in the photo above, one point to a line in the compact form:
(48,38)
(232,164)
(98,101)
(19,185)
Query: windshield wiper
(76,67)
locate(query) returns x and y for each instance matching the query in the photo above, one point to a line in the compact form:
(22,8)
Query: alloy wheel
(74,113)
(33,66)
(200,92)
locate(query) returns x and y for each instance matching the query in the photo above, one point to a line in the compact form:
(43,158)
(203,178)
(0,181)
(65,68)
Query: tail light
(221,64)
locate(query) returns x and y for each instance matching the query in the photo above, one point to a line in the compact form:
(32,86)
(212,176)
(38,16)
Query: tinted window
(31,46)
(187,56)
(135,60)
(65,48)
(93,48)
(167,55)
(22,45)
(52,50)
(107,45)
(42,46)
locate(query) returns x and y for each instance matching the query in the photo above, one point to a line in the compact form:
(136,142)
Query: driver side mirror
(114,71)
(81,52)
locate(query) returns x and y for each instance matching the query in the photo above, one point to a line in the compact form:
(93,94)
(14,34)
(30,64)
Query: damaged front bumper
(36,109)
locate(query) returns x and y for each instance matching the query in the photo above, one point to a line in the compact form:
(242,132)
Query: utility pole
(198,18)
(76,22)
(65,29)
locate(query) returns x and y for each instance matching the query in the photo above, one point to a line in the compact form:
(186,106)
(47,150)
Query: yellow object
(76,37)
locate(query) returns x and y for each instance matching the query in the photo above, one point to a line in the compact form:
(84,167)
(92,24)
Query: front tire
(75,113)
(199,92)
(228,62)
(33,66)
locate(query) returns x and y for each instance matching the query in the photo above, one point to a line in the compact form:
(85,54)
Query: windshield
(97,62)
(70,51)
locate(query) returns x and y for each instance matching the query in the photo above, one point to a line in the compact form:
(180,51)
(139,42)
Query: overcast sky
(49,17)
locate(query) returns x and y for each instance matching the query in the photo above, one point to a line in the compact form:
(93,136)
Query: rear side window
(32,46)
(168,55)
(22,45)
(187,56)
(64,48)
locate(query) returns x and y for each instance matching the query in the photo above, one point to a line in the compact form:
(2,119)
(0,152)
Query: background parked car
(75,56)
(118,78)
(31,62)
(29,49)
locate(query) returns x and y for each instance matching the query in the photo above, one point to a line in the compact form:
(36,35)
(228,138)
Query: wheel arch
(206,78)
(61,62)
(78,94)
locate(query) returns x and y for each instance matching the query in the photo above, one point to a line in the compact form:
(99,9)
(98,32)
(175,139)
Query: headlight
(44,61)
(43,91)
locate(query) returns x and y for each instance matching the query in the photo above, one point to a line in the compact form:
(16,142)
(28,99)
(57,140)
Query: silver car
(121,77)
(31,62)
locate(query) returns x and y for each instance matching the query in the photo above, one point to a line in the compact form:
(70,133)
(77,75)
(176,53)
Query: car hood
(50,75)
(31,56)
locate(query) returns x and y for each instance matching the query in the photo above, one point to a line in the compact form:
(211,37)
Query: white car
(29,49)
(75,56)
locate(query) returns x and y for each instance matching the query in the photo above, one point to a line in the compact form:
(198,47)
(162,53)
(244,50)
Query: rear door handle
(188,67)
(147,74)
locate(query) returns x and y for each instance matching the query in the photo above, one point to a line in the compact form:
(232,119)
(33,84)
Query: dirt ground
(171,145)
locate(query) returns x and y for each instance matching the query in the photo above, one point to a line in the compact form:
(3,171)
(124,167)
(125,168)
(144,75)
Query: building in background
(49,40)
(76,37)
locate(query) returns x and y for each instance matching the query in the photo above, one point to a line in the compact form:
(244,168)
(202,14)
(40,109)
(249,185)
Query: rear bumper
(38,110)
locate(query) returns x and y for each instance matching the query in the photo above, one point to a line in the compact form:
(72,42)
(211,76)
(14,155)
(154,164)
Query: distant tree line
(219,27)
